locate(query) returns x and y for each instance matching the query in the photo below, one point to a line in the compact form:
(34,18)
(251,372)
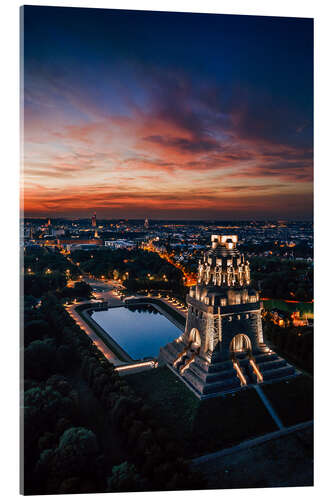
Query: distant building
(93,220)
(57,232)
(69,244)
(146,224)
(86,246)
(298,320)
(279,317)
(117,244)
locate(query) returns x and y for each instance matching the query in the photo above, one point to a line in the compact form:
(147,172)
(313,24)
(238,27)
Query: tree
(82,289)
(300,294)
(81,440)
(75,455)
(33,330)
(39,358)
(125,478)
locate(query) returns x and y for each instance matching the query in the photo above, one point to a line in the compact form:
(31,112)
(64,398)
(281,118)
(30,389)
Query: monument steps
(261,358)
(285,371)
(211,387)
(274,364)
(226,372)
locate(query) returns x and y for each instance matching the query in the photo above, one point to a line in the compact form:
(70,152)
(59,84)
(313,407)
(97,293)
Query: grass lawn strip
(202,426)
(292,399)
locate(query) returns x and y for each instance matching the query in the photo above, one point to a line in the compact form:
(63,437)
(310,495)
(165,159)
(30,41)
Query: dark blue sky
(127,98)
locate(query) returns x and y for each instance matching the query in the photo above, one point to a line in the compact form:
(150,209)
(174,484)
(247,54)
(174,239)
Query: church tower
(222,347)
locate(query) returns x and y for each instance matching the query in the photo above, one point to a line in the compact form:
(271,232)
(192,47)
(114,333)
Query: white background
(321,10)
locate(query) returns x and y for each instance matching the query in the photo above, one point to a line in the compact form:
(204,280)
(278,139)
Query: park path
(174,307)
(269,407)
(169,303)
(106,291)
(251,442)
(108,353)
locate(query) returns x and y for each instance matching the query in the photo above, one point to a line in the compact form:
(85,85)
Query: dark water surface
(139,330)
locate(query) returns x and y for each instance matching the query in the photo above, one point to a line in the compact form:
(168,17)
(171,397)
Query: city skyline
(158,115)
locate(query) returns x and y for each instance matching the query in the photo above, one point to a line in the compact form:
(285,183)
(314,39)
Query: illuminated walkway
(108,353)
(171,302)
(269,407)
(174,306)
(107,292)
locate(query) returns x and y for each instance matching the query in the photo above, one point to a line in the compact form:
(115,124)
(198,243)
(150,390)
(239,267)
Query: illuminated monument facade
(222,348)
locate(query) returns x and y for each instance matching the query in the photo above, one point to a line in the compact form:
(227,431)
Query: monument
(222,348)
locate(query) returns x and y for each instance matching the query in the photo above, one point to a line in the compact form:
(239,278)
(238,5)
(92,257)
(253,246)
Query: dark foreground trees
(64,456)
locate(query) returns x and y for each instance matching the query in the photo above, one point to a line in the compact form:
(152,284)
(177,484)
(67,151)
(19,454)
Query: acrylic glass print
(167,251)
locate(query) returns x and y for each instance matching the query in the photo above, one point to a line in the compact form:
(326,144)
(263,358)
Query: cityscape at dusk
(167,251)
(123,117)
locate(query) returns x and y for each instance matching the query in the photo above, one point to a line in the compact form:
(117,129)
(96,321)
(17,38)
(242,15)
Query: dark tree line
(138,269)
(278,279)
(46,270)
(279,249)
(296,343)
(62,456)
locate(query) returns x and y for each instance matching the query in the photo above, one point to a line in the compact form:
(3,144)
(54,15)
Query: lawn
(285,461)
(201,426)
(292,399)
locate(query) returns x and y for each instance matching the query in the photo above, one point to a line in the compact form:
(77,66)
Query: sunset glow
(146,114)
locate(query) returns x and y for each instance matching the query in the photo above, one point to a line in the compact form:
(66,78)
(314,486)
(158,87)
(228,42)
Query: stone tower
(222,347)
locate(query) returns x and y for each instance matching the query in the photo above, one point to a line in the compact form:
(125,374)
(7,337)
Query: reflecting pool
(139,330)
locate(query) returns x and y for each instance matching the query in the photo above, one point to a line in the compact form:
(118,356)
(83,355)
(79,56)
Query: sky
(166,115)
